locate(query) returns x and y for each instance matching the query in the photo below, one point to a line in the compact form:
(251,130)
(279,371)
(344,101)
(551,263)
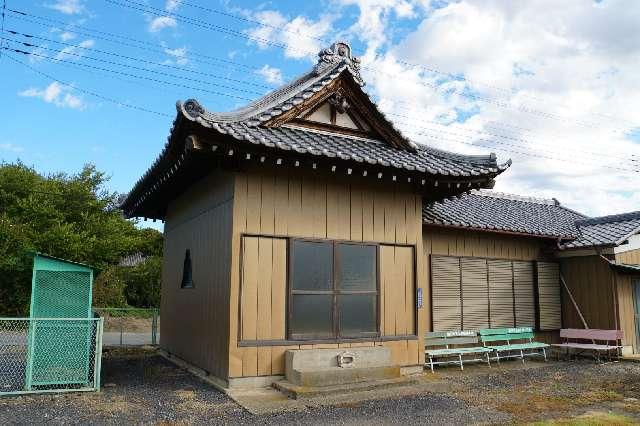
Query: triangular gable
(339,104)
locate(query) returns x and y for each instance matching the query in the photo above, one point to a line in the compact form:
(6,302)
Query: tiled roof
(425,160)
(606,230)
(250,127)
(488,210)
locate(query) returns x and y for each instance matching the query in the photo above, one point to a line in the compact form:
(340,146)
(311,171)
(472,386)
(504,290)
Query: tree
(74,217)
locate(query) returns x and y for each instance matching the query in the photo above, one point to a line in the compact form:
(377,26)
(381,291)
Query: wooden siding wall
(631,257)
(590,280)
(195,322)
(626,309)
(289,204)
(450,242)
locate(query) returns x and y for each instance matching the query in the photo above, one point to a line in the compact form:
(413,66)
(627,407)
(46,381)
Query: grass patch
(596,396)
(527,405)
(590,419)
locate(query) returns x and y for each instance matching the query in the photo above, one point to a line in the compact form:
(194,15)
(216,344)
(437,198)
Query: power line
(131,4)
(91,32)
(159,64)
(4,10)
(512,151)
(88,92)
(541,114)
(214,92)
(431,136)
(120,64)
(450,75)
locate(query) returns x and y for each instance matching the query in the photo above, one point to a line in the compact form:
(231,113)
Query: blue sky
(553,95)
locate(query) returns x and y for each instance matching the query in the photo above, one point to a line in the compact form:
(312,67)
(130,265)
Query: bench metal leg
(431,363)
(488,359)
(544,354)
(498,357)
(522,355)
(460,358)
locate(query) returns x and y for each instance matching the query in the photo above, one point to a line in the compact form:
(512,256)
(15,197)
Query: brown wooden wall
(631,257)
(590,280)
(195,322)
(294,204)
(626,309)
(452,242)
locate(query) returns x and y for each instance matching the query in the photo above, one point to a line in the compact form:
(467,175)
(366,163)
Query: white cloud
(301,37)
(161,22)
(172,5)
(68,7)
(55,94)
(10,147)
(66,36)
(562,92)
(75,51)
(373,26)
(178,55)
(271,74)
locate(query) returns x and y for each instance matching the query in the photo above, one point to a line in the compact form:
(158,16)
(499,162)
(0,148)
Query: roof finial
(339,53)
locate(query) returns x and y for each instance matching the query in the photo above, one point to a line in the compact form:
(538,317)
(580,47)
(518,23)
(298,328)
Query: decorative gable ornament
(339,52)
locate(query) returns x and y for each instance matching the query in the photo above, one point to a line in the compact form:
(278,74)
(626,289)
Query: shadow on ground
(139,386)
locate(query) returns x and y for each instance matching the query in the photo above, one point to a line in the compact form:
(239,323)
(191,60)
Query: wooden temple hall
(305,221)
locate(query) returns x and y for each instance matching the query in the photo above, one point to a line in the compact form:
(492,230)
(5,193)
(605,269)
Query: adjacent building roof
(271,128)
(606,230)
(495,211)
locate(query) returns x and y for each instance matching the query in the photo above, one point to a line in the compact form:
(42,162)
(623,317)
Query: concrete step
(302,392)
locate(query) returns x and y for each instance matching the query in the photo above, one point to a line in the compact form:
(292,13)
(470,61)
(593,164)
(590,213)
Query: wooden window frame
(334,292)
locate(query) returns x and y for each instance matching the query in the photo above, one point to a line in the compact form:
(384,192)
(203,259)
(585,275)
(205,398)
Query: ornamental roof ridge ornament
(339,53)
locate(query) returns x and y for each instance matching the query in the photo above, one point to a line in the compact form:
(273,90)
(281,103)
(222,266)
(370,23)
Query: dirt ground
(139,386)
(128,324)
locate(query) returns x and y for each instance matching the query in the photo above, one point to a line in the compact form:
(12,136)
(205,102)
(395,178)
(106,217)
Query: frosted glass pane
(312,266)
(312,315)
(357,314)
(356,267)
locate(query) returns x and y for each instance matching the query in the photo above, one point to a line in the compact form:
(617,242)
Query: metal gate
(40,355)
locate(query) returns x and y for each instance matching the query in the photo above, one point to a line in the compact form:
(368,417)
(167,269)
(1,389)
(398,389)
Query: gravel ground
(142,387)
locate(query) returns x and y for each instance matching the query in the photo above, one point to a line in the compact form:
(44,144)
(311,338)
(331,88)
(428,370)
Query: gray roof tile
(606,230)
(489,210)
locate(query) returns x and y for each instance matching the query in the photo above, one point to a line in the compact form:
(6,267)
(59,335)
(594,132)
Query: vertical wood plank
(254,201)
(278,289)
(239,226)
(367,214)
(378,215)
(295,207)
(344,212)
(267,208)
(356,214)
(265,269)
(249,288)
(281,204)
(332,211)
(320,209)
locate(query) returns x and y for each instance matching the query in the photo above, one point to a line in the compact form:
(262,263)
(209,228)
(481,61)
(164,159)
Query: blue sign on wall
(419,298)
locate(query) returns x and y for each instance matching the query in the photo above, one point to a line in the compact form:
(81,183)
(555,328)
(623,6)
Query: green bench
(513,343)
(448,344)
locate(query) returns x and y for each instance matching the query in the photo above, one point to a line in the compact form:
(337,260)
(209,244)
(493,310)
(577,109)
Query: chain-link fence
(130,326)
(39,355)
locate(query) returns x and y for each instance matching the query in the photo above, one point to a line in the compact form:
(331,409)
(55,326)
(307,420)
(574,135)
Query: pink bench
(591,340)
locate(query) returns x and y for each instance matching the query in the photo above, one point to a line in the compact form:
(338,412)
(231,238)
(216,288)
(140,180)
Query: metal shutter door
(500,293)
(445,293)
(549,296)
(523,294)
(475,294)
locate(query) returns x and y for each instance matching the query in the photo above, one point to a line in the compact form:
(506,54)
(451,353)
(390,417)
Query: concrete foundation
(331,367)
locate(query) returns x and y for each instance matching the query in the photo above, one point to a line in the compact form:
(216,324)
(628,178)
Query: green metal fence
(39,355)
(130,326)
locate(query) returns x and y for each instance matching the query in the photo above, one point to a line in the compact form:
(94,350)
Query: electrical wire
(88,92)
